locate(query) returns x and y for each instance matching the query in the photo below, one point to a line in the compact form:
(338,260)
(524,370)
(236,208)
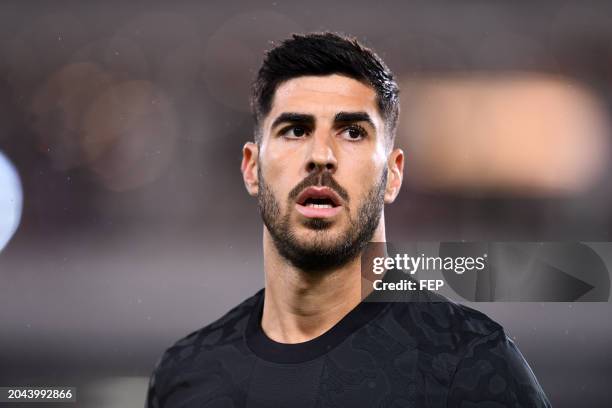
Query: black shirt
(396,354)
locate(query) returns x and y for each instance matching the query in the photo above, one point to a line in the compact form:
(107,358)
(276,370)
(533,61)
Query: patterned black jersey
(386,355)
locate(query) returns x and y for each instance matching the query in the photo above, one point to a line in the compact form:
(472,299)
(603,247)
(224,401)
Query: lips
(318,202)
(318,196)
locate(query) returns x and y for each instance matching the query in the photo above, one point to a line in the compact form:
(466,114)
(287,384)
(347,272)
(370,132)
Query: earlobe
(250,153)
(395,167)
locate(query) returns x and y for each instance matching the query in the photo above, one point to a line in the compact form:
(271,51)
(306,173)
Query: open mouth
(319,197)
(318,202)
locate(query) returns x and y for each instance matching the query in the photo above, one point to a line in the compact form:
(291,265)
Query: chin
(318,227)
(325,237)
(318,224)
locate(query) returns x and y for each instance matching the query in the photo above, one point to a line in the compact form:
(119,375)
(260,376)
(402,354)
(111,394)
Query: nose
(321,156)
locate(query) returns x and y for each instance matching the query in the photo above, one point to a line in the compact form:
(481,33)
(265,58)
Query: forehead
(324,95)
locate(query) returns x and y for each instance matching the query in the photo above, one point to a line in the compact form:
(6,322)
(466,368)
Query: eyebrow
(347,117)
(293,117)
(308,119)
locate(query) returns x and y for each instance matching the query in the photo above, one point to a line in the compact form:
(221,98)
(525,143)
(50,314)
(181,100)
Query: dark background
(126,122)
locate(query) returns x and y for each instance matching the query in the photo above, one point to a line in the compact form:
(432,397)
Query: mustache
(321,178)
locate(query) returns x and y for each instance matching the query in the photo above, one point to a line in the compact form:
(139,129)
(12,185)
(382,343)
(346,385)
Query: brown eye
(298,131)
(294,132)
(354,133)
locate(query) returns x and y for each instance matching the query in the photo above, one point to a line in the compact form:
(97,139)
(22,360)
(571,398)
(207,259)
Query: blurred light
(515,133)
(129,134)
(58,107)
(11,200)
(124,131)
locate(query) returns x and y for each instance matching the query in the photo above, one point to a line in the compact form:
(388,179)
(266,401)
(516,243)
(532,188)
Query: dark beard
(320,256)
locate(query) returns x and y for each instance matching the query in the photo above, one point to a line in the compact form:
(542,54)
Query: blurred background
(124,223)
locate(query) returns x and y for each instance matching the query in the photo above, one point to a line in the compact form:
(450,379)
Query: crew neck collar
(270,350)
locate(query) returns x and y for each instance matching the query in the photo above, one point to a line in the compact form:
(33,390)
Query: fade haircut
(323,54)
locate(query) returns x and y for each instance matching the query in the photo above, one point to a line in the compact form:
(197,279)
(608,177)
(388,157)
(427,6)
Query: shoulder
(494,371)
(200,351)
(225,331)
(436,324)
(480,362)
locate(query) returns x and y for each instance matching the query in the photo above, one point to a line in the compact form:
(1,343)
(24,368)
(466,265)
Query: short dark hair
(322,54)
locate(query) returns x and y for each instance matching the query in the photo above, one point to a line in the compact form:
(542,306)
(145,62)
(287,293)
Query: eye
(354,133)
(294,132)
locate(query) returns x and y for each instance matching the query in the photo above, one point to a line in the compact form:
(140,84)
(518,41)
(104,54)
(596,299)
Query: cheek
(359,184)
(283,161)
(277,174)
(368,156)
(360,171)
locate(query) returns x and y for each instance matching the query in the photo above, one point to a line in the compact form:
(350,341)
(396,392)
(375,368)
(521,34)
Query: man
(322,166)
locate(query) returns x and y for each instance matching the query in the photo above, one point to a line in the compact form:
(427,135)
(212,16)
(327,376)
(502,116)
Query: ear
(250,152)
(395,175)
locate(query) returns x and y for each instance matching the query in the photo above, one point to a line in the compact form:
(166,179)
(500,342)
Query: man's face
(322,169)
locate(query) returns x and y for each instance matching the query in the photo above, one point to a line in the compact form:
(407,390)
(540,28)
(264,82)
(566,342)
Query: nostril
(312,167)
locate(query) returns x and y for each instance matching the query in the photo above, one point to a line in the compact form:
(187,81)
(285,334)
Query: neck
(299,305)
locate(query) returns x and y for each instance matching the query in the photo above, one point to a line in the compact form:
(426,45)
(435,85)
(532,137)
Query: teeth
(319,205)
